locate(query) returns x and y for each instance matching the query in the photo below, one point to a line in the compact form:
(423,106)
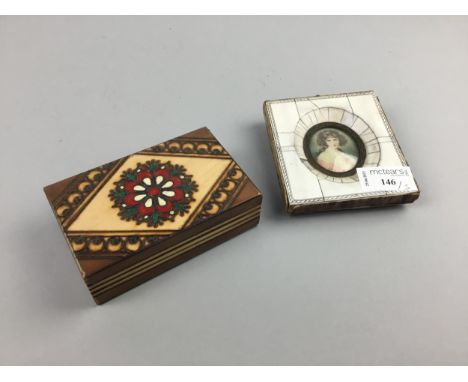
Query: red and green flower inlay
(153,192)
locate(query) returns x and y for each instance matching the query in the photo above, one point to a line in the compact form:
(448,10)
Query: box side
(151,272)
(379,201)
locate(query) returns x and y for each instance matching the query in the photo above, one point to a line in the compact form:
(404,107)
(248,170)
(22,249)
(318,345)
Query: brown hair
(324,134)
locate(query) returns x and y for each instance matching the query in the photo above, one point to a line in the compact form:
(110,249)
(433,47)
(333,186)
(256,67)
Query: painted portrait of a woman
(331,155)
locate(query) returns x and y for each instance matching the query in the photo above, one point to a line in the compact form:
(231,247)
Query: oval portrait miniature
(332,143)
(334,149)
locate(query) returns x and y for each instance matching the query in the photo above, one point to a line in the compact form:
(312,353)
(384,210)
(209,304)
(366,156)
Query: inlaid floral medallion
(153,193)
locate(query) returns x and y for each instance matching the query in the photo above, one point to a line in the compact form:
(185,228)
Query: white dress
(344,162)
(340,162)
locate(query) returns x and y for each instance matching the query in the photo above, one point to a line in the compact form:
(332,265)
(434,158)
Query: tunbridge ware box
(336,152)
(134,218)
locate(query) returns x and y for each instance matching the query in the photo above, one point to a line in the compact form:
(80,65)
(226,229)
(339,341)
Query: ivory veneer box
(129,220)
(335,152)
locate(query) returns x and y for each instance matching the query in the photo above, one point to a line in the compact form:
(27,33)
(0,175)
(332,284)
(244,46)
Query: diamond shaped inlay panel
(149,193)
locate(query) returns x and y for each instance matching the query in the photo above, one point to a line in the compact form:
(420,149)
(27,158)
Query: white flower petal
(147,181)
(139,197)
(138,188)
(159,179)
(149,202)
(169,193)
(167,184)
(161,202)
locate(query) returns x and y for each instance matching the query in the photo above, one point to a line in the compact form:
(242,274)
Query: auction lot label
(399,179)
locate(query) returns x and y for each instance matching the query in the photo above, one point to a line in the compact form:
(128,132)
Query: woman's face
(332,142)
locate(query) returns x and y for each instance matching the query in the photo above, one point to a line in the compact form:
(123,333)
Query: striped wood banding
(164,256)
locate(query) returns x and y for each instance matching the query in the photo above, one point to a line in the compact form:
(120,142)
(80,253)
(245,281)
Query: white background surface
(384,286)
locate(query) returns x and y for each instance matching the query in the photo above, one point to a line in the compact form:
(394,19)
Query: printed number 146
(390,182)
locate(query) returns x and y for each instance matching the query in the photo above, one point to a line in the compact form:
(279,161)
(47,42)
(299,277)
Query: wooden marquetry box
(336,152)
(134,218)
